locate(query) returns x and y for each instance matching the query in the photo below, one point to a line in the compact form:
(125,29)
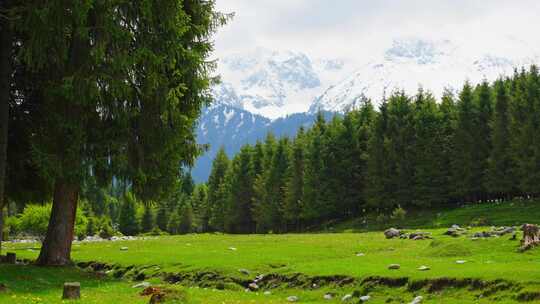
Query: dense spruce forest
(481,144)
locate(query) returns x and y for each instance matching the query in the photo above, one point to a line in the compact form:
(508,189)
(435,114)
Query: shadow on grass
(45,280)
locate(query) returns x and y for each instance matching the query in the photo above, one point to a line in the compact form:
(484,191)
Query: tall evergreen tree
(128,221)
(500,180)
(217,195)
(294,183)
(465,178)
(239,218)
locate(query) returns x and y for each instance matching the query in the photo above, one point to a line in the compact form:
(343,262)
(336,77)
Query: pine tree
(465,178)
(500,181)
(128,221)
(199,201)
(313,207)
(148,222)
(162,218)
(484,104)
(185,224)
(429,167)
(268,207)
(173,226)
(217,191)
(294,184)
(239,218)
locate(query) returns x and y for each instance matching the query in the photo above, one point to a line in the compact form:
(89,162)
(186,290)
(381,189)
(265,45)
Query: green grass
(319,254)
(498,214)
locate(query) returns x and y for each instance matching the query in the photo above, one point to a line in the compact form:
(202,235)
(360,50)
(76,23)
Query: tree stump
(11,258)
(531,236)
(72,291)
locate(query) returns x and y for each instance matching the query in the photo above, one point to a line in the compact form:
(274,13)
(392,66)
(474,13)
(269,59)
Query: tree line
(479,144)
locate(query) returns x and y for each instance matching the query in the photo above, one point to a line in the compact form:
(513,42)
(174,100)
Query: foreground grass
(323,254)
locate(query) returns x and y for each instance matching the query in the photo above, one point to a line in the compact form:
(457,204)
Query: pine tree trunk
(6,37)
(56,249)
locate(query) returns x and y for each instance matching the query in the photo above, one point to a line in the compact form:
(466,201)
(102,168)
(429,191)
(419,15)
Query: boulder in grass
(423,268)
(253,286)
(346,298)
(417,300)
(292,299)
(394,266)
(391,233)
(365,298)
(243,271)
(72,291)
(328,296)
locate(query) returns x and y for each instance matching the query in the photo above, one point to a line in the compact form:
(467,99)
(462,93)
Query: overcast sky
(352,28)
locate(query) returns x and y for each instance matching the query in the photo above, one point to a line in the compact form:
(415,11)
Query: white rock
(461,262)
(267,293)
(417,300)
(365,298)
(142,285)
(423,268)
(292,299)
(346,298)
(232,248)
(123,248)
(328,296)
(360,254)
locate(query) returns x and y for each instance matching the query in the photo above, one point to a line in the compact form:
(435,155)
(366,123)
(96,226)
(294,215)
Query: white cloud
(357,29)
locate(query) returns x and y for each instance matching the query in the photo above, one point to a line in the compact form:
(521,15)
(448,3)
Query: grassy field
(493,272)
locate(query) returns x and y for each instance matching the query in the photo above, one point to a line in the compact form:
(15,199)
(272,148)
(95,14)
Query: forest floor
(217,268)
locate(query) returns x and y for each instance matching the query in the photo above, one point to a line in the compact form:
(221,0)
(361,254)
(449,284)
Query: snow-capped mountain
(226,126)
(262,88)
(274,84)
(410,63)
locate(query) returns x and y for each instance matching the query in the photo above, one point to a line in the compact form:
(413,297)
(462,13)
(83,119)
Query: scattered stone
(72,291)
(417,300)
(124,248)
(455,227)
(394,266)
(267,293)
(365,298)
(391,233)
(243,271)
(360,254)
(461,262)
(253,286)
(423,268)
(419,235)
(346,298)
(232,248)
(453,232)
(328,296)
(292,299)
(142,285)
(258,278)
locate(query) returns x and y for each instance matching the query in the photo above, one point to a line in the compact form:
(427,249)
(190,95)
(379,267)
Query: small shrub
(106,230)
(481,221)
(381,218)
(398,214)
(35,219)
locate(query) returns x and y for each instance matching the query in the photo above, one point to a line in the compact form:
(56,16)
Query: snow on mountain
(410,63)
(274,84)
